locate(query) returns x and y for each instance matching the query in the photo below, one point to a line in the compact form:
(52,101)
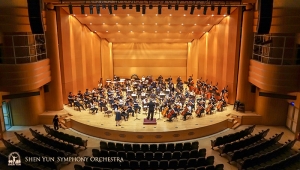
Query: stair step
(235,126)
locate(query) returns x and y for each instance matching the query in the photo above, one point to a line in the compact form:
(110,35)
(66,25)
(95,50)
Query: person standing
(151,106)
(56,122)
(118,117)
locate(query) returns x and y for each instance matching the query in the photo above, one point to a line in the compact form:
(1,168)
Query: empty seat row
(232,137)
(151,147)
(162,164)
(139,155)
(291,162)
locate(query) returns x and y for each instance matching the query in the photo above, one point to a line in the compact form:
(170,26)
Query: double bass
(199,109)
(164,112)
(208,109)
(219,106)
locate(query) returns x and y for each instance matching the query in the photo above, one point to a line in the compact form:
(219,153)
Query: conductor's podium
(149,122)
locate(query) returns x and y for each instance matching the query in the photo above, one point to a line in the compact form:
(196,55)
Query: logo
(14,159)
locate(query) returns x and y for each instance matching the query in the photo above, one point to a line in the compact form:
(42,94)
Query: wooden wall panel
(143,59)
(80,55)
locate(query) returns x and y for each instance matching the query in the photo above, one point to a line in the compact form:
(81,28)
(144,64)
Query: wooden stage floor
(133,130)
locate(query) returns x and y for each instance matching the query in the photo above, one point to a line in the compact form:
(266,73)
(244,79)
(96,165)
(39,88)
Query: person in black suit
(151,106)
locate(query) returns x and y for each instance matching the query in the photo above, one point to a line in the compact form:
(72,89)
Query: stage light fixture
(144,9)
(169,6)
(219,10)
(115,7)
(138,8)
(103,6)
(70,9)
(212,8)
(91,9)
(185,7)
(228,10)
(150,6)
(198,6)
(98,8)
(130,6)
(124,6)
(159,9)
(82,9)
(110,9)
(192,9)
(176,7)
(204,10)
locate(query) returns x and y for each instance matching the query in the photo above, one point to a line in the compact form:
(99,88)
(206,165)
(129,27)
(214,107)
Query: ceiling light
(127,14)
(155,31)
(70,9)
(169,6)
(115,7)
(91,23)
(116,23)
(150,6)
(224,15)
(170,15)
(168,31)
(137,8)
(74,15)
(169,23)
(159,9)
(212,15)
(198,6)
(103,23)
(192,32)
(219,10)
(184,15)
(129,23)
(119,31)
(207,24)
(85,15)
(143,23)
(106,31)
(130,31)
(180,32)
(212,8)
(114,14)
(95,31)
(110,9)
(155,23)
(192,9)
(228,10)
(124,6)
(99,14)
(195,24)
(143,31)
(82,9)
(182,24)
(176,7)
(185,7)
(156,14)
(98,9)
(144,9)
(204,10)
(198,15)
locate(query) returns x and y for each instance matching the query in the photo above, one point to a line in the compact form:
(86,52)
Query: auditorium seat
(167,155)
(163,164)
(187,146)
(170,147)
(176,155)
(158,155)
(139,155)
(192,162)
(122,154)
(127,147)
(185,154)
(182,163)
(144,164)
(136,147)
(144,147)
(119,147)
(154,164)
(149,156)
(178,147)
(162,147)
(153,147)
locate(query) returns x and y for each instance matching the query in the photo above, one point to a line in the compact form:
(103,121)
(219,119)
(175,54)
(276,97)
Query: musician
(189,111)
(143,79)
(190,79)
(173,115)
(136,106)
(151,107)
(124,114)
(178,79)
(93,107)
(101,103)
(78,104)
(71,98)
(80,95)
(170,79)
(86,93)
(130,110)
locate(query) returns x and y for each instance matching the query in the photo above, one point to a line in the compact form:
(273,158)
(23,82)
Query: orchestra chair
(107,112)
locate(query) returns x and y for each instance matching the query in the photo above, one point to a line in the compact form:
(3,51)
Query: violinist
(86,93)
(93,107)
(188,112)
(80,95)
(136,106)
(78,104)
(102,103)
(123,113)
(71,98)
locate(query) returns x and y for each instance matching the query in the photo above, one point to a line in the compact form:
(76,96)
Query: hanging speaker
(35,16)
(265,10)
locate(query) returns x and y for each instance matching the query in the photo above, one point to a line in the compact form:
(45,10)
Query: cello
(164,112)
(208,109)
(219,106)
(184,111)
(170,113)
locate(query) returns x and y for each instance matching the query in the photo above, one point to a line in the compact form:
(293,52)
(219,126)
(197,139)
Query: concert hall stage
(133,130)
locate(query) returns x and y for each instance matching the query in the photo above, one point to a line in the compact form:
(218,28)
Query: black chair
(153,148)
(185,155)
(127,147)
(163,164)
(134,164)
(149,155)
(210,160)
(113,153)
(187,146)
(158,155)
(170,147)
(192,162)
(78,167)
(167,155)
(87,168)
(201,161)
(96,153)
(120,146)
(136,147)
(200,168)
(194,153)
(153,164)
(162,147)
(182,163)
(210,167)
(176,155)
(103,145)
(144,164)
(195,145)
(178,147)
(125,164)
(139,155)
(219,167)
(130,155)
(144,147)
(173,163)
(202,152)
(111,146)
(104,153)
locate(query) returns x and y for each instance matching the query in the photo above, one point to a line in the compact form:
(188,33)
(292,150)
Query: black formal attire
(151,106)
(55,123)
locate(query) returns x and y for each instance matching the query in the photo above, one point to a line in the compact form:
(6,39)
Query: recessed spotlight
(212,15)
(156,14)
(198,15)
(155,23)
(85,15)
(95,31)
(74,15)
(192,32)
(91,23)
(142,15)
(155,31)
(103,23)
(116,23)
(130,31)
(114,14)
(195,24)
(184,15)
(224,15)
(170,15)
(127,14)
(129,23)
(169,23)
(168,31)
(180,32)
(106,31)
(182,24)
(142,23)
(99,14)
(143,31)
(119,31)
(207,24)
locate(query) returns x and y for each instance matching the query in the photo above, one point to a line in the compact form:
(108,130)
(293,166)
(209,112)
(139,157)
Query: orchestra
(129,96)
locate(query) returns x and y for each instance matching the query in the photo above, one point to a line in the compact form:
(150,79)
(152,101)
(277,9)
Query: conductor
(151,106)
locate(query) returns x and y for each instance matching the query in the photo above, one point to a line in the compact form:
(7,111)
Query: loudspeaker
(46,88)
(35,16)
(265,10)
(253,89)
